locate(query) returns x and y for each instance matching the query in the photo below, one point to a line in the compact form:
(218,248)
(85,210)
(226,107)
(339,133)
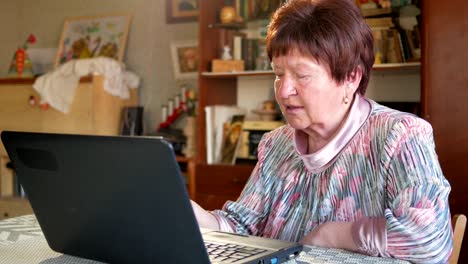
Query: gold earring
(346,100)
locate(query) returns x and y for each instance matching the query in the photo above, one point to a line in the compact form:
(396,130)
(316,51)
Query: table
(22,242)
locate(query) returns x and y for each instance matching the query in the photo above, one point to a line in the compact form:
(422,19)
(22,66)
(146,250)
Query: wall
(9,12)
(148,45)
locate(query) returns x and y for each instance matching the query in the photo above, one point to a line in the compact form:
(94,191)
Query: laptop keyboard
(229,253)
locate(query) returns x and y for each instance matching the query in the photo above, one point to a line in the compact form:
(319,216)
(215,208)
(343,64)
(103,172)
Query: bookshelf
(214,184)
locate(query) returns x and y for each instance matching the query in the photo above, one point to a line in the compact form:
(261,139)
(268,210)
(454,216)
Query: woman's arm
(248,213)
(205,219)
(332,235)
(417,214)
(416,222)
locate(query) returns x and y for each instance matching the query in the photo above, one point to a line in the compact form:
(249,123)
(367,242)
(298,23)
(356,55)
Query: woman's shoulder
(284,132)
(281,137)
(390,119)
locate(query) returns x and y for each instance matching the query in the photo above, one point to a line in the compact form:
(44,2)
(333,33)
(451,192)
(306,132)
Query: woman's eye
(278,75)
(301,76)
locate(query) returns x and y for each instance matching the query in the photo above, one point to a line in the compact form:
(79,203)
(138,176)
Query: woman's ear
(353,80)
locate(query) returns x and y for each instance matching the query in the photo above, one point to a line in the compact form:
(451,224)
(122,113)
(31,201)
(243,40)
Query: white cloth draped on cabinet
(57,88)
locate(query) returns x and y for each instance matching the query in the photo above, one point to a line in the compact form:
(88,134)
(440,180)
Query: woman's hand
(331,235)
(205,219)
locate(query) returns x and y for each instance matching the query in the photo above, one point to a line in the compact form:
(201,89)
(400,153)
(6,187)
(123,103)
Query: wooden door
(445,93)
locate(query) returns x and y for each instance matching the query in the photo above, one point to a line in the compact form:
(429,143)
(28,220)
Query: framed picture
(231,140)
(178,11)
(89,37)
(185,59)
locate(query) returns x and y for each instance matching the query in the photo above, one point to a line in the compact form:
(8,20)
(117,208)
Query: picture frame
(179,11)
(185,59)
(232,139)
(93,36)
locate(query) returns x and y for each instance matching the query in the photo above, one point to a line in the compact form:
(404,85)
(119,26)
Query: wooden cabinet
(445,94)
(93,111)
(215,184)
(14,206)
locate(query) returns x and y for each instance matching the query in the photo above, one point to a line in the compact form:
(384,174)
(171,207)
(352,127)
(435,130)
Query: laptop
(122,199)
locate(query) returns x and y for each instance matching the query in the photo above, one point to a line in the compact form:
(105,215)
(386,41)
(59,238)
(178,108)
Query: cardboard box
(227,65)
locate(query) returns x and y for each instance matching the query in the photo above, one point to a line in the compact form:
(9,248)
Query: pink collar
(320,160)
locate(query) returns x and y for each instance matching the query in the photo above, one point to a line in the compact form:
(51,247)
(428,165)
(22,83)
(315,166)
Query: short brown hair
(333,32)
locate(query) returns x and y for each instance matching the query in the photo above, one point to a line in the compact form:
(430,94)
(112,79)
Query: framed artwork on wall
(93,36)
(178,11)
(185,59)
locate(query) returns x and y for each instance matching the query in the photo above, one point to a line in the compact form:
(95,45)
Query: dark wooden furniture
(445,93)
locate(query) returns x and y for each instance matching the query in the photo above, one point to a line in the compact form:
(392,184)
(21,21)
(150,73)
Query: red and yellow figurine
(21,65)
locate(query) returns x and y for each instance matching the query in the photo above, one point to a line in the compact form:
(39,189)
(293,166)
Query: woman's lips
(292,109)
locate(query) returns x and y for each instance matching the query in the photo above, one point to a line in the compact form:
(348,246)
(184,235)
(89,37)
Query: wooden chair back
(458,225)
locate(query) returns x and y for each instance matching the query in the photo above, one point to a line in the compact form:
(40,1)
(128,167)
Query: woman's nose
(285,87)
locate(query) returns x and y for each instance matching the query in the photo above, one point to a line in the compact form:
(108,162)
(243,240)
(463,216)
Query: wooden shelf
(235,74)
(388,67)
(376,12)
(31,80)
(406,67)
(232,26)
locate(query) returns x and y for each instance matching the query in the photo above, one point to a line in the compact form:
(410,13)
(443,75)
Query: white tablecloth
(22,242)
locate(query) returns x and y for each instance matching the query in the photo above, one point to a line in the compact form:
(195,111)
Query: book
(393,52)
(237,47)
(376,11)
(215,117)
(249,53)
(231,139)
(412,37)
(380,23)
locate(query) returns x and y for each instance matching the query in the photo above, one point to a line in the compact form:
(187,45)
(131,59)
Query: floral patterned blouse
(380,172)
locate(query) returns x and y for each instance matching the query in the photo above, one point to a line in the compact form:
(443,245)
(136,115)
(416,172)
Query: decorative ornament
(32,100)
(21,65)
(44,106)
(227,15)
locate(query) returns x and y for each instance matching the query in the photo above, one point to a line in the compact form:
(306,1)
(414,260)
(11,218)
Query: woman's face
(308,96)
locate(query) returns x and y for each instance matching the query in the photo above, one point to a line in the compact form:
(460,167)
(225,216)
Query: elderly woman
(345,172)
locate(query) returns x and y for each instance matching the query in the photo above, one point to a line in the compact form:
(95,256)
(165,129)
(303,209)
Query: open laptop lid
(107,198)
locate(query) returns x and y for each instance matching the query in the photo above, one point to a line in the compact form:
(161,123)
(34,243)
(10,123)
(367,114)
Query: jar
(227,14)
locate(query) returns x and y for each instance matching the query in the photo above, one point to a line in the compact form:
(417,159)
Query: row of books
(230,137)
(394,44)
(251,10)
